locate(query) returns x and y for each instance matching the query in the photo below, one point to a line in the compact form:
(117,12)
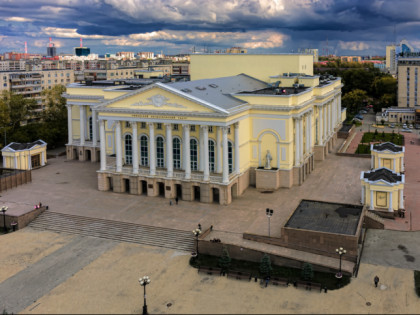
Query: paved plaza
(45,272)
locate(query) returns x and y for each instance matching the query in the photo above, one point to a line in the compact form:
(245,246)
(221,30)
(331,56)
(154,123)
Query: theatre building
(259,120)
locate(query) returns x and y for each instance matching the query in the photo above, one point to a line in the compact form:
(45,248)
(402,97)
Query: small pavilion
(387,155)
(25,156)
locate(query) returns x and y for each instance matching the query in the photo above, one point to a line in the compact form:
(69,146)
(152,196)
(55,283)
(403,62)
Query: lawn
(326,279)
(369,137)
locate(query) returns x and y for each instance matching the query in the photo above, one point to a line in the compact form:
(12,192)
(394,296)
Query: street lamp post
(340,251)
(196,233)
(4,209)
(143,282)
(269,214)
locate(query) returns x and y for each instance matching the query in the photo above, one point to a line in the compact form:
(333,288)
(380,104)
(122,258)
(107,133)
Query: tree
(18,107)
(265,265)
(224,260)
(307,272)
(55,104)
(384,85)
(353,100)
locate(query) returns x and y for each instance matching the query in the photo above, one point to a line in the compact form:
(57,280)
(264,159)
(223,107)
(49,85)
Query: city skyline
(172,26)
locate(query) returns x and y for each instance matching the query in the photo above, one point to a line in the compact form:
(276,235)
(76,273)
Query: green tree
(19,108)
(307,272)
(55,104)
(224,260)
(265,266)
(384,85)
(353,100)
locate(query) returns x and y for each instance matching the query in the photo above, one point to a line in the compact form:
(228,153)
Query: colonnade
(83,124)
(391,196)
(221,150)
(328,118)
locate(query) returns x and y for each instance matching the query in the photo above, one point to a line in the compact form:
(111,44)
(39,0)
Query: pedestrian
(176,200)
(376,280)
(403,213)
(170,202)
(199,226)
(266,281)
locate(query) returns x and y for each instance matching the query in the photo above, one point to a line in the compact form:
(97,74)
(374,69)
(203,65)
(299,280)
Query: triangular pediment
(160,99)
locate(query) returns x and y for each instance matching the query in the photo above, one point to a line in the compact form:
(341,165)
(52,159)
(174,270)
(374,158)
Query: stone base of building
(273,179)
(82,153)
(174,188)
(301,172)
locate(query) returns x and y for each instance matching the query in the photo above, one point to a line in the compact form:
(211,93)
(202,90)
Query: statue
(268,159)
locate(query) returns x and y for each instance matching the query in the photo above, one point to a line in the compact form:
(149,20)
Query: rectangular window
(127,124)
(192,127)
(210,129)
(381,199)
(175,127)
(143,125)
(159,126)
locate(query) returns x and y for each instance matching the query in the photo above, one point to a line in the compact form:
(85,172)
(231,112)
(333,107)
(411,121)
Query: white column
(219,150)
(324,129)
(362,200)
(43,158)
(319,142)
(401,199)
(15,162)
(297,138)
(29,161)
(169,151)
(152,147)
(118,145)
(236,153)
(379,162)
(390,208)
(301,139)
(4,162)
(372,161)
(201,150)
(402,164)
(225,155)
(307,134)
(371,200)
(310,131)
(135,148)
(82,124)
(94,128)
(187,153)
(206,166)
(69,124)
(102,143)
(395,165)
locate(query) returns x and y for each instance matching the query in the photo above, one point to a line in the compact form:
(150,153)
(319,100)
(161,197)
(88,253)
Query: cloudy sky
(356,27)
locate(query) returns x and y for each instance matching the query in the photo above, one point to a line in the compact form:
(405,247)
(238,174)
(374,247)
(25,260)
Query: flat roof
(327,217)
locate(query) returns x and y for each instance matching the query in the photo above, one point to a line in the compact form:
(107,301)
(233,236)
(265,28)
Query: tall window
(90,128)
(230,157)
(128,149)
(211,156)
(193,154)
(160,160)
(176,149)
(144,151)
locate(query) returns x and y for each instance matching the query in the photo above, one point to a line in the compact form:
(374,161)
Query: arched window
(160,154)
(144,151)
(128,145)
(230,157)
(194,154)
(90,128)
(211,156)
(176,149)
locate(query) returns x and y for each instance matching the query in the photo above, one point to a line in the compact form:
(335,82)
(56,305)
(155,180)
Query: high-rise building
(82,51)
(51,51)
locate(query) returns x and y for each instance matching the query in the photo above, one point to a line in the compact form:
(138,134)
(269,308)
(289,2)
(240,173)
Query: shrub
(265,265)
(224,260)
(307,272)
(417,282)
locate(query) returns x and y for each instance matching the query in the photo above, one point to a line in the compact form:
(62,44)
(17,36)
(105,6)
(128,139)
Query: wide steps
(115,230)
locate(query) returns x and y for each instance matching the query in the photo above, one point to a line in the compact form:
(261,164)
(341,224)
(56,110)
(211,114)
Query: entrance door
(178,190)
(161,189)
(197,193)
(36,160)
(144,187)
(111,187)
(387,163)
(126,184)
(89,155)
(216,195)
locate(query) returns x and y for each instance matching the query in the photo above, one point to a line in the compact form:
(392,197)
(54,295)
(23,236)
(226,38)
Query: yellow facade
(256,134)
(391,158)
(25,156)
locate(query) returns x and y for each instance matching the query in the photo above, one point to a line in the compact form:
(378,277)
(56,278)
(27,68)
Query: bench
(280,281)
(239,275)
(308,285)
(209,270)
(315,285)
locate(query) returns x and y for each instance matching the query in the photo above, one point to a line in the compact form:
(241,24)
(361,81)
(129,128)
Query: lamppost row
(4,209)
(196,233)
(340,251)
(269,214)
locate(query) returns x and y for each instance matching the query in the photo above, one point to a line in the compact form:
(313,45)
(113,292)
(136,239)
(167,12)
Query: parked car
(363,111)
(410,126)
(359,117)
(392,125)
(406,130)
(405,126)
(417,126)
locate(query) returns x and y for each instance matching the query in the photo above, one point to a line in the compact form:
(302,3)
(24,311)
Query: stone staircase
(373,220)
(115,230)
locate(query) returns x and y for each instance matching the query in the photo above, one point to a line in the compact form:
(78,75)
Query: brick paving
(355,142)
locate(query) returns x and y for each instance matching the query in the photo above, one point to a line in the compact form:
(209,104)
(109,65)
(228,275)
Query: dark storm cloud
(299,21)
